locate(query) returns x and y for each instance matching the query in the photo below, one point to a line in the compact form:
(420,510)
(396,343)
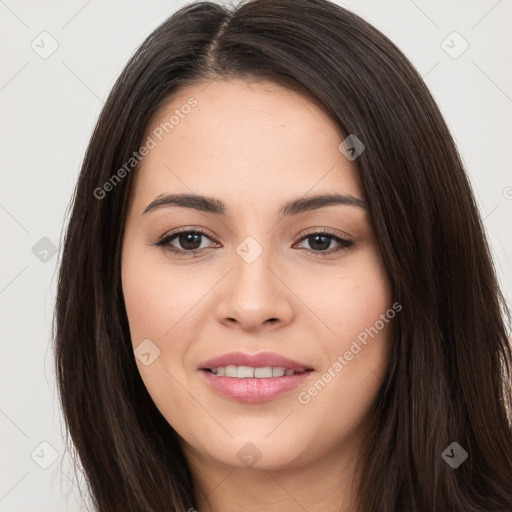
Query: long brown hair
(449,379)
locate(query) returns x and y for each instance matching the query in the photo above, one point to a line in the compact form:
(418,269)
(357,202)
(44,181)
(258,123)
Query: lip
(258,360)
(253,390)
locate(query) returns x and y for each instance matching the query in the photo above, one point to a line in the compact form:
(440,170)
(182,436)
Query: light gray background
(48,109)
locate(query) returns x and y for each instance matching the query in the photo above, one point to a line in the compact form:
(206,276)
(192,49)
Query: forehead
(224,138)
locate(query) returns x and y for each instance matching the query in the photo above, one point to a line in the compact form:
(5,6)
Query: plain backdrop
(49,105)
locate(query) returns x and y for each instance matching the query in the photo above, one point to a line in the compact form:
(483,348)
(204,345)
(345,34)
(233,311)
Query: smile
(248,372)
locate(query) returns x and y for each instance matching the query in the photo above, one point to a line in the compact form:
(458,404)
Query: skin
(254,146)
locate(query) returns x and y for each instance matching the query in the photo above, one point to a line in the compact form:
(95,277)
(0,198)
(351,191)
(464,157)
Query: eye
(321,241)
(186,241)
(189,242)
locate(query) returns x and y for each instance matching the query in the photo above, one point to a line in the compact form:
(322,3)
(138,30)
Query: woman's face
(261,283)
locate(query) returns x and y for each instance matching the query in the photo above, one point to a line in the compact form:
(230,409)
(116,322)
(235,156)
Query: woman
(275,288)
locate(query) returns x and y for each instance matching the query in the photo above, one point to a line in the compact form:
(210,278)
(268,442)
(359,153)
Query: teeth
(243,372)
(248,372)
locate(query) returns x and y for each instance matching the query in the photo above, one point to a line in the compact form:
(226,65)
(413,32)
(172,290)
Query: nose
(254,295)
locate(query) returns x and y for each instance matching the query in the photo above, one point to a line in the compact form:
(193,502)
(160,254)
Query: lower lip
(254,390)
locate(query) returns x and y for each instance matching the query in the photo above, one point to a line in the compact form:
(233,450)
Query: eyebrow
(217,207)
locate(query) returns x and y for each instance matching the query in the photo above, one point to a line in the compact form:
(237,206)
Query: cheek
(156,305)
(145,305)
(367,296)
(339,400)
(358,308)
(163,305)
(159,299)
(354,299)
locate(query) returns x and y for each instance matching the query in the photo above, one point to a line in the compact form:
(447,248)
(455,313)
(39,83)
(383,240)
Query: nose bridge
(252,277)
(253,294)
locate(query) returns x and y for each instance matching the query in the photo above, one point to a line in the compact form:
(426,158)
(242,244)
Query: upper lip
(259,360)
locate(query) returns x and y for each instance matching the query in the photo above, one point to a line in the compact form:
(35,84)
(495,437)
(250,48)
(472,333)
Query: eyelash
(165,241)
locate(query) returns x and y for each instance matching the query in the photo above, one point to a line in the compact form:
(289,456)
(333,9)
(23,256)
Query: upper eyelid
(311,231)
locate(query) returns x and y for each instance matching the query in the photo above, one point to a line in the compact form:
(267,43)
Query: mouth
(249,372)
(253,378)
(259,363)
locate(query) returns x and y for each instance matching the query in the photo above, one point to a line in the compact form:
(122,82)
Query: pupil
(189,241)
(319,246)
